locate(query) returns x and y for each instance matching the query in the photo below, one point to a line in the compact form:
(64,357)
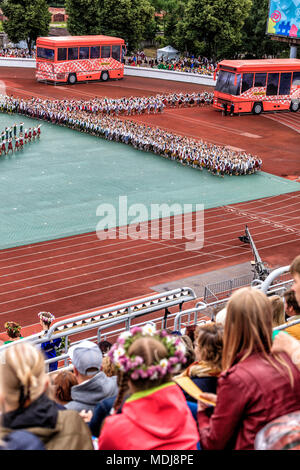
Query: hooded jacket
(57,429)
(155,419)
(88,394)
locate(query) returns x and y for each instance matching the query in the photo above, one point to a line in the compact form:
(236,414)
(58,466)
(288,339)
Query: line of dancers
(15,137)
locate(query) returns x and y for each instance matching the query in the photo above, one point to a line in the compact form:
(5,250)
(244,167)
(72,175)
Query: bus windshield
(225,83)
(45,53)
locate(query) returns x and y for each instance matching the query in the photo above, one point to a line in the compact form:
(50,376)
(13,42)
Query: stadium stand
(146,347)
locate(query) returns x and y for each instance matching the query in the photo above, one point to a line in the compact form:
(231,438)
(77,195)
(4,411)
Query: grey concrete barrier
(146,72)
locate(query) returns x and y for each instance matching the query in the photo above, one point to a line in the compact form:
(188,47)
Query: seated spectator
(26,406)
(104,347)
(108,367)
(277,310)
(292,310)
(96,418)
(93,385)
(221,316)
(189,351)
(295,271)
(256,385)
(208,348)
(13,330)
(62,383)
(156,415)
(49,347)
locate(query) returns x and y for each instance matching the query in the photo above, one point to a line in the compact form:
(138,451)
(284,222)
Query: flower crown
(135,366)
(46,317)
(12,326)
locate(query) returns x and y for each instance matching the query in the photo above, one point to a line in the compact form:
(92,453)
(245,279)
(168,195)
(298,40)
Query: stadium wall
(146,72)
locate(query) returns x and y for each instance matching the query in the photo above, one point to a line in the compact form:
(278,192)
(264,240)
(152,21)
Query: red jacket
(250,394)
(156,419)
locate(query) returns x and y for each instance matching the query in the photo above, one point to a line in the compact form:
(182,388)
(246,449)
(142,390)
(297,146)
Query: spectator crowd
(16,52)
(231,385)
(197,65)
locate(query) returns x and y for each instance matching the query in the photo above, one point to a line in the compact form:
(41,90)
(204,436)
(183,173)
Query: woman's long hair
(248,330)
(22,374)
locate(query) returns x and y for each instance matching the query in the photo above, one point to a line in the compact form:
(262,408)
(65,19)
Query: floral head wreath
(12,326)
(135,366)
(46,317)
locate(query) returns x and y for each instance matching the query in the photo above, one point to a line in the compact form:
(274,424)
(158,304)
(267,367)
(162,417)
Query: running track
(77,273)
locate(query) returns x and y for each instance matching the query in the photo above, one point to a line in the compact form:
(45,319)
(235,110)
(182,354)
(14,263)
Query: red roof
(77,40)
(262,64)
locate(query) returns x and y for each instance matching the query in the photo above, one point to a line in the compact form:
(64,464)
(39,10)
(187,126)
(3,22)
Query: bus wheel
(72,79)
(295,105)
(104,76)
(257,108)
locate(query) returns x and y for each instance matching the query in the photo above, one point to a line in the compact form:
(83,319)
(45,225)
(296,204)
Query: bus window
(260,79)
(72,53)
(84,52)
(62,53)
(123,54)
(272,86)
(43,53)
(247,81)
(296,79)
(105,52)
(115,52)
(95,52)
(285,83)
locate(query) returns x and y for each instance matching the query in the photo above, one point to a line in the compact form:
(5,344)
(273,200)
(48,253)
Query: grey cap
(86,355)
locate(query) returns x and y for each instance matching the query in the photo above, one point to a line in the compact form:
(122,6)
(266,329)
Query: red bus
(71,59)
(253,86)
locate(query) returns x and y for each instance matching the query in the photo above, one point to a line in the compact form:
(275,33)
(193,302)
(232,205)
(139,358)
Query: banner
(284,18)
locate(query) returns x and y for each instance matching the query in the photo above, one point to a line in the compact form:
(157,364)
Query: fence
(112,316)
(111,321)
(211,291)
(226,287)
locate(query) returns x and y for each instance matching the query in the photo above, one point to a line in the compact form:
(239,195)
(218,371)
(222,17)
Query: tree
(256,43)
(212,27)
(128,19)
(131,20)
(83,16)
(27,20)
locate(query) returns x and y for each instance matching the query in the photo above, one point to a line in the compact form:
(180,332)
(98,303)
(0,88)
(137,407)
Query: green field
(53,187)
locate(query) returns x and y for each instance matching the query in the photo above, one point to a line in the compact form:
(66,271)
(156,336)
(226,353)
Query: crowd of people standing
(86,116)
(199,65)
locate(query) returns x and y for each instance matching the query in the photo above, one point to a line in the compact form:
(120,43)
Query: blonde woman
(256,385)
(26,406)
(277,304)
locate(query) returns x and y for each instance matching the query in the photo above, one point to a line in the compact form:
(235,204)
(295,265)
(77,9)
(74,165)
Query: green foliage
(132,20)
(84,17)
(212,27)
(27,20)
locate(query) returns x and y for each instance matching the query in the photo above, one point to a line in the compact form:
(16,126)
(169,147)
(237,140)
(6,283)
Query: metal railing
(113,320)
(226,287)
(109,317)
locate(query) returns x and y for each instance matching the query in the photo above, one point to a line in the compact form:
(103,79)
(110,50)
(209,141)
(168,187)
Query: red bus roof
(261,64)
(70,41)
